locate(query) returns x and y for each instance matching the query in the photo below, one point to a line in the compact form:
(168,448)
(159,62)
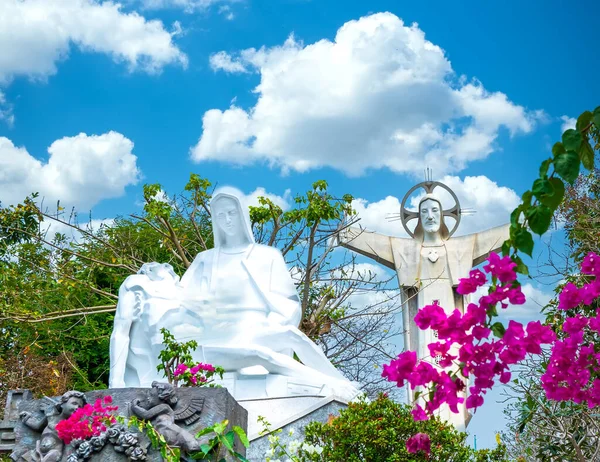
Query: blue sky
(96,100)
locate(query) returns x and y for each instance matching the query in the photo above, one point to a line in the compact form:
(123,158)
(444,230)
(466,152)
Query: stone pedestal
(211,405)
(290,413)
(11,416)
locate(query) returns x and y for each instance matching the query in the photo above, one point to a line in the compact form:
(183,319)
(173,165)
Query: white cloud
(6,113)
(222,61)
(567,123)
(379,96)
(281,201)
(188,6)
(492,203)
(225,10)
(36,34)
(81,170)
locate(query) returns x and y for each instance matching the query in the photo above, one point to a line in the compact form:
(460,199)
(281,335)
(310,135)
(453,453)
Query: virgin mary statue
(239,302)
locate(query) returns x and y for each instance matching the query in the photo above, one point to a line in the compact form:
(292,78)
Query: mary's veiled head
(230,218)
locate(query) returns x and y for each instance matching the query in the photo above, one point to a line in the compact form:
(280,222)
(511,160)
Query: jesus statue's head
(431,219)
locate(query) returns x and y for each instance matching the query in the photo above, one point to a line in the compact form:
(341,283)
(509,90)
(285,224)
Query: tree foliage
(539,428)
(377,431)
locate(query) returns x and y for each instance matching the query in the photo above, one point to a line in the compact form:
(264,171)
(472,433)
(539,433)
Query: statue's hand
(136,402)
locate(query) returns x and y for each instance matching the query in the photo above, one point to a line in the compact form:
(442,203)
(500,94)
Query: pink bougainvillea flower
(87,421)
(569,297)
(591,264)
(180,369)
(575,324)
(474,401)
(516,297)
(478,277)
(590,292)
(399,369)
(595,322)
(481,332)
(432,316)
(418,413)
(503,268)
(419,442)
(466,286)
(194,370)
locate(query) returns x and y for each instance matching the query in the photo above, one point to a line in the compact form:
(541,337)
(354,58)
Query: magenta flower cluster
(465,347)
(87,421)
(194,375)
(419,442)
(573,372)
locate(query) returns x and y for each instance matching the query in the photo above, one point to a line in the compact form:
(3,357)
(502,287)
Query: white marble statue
(143,300)
(428,265)
(237,300)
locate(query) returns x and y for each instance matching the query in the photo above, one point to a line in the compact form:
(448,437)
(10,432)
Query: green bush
(377,432)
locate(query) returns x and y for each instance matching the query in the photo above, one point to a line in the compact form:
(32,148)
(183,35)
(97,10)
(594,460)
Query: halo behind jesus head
(408,215)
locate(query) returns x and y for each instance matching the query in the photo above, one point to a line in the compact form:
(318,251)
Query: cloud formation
(281,201)
(188,6)
(81,170)
(6,109)
(492,205)
(567,123)
(36,34)
(378,96)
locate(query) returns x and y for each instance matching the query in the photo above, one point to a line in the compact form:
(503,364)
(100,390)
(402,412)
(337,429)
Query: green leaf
(514,216)
(526,197)
(524,241)
(584,120)
(557,149)
(554,199)
(220,427)
(596,117)
(204,431)
(240,457)
(544,167)
(572,140)
(567,166)
(241,435)
(228,440)
(586,154)
(498,329)
(505,249)
(541,186)
(521,267)
(539,219)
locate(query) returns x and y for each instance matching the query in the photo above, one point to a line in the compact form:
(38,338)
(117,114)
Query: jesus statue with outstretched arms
(429,266)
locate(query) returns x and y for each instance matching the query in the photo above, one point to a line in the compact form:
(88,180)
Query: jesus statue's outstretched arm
(370,244)
(488,241)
